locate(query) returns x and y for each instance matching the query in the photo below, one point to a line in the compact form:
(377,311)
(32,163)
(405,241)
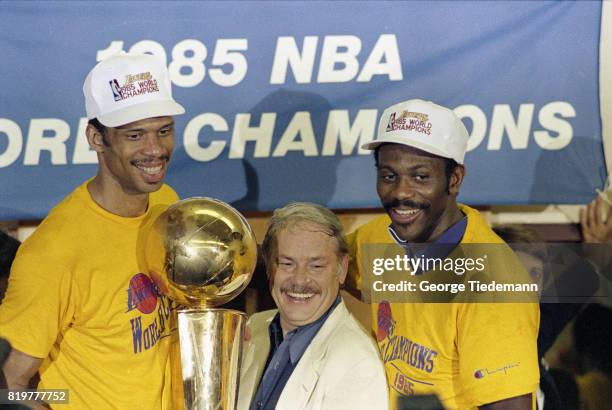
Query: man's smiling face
(136,155)
(416,191)
(307,274)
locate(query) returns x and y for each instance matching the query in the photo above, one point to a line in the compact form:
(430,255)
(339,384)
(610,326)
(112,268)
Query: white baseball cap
(129,87)
(425,126)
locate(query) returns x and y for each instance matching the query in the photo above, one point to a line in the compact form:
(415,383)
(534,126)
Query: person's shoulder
(479,239)
(263,315)
(60,227)
(478,230)
(164,195)
(261,319)
(350,336)
(62,216)
(373,231)
(381,222)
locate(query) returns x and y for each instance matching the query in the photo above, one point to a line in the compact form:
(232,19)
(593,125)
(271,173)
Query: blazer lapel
(300,386)
(303,381)
(252,367)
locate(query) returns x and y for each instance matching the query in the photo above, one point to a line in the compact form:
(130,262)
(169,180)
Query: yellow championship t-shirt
(79,298)
(468,354)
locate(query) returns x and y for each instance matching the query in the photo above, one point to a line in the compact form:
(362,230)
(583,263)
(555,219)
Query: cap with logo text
(129,87)
(425,126)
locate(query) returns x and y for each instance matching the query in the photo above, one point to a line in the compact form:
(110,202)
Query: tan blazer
(340,369)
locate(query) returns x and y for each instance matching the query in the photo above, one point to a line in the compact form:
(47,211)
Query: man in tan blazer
(310,353)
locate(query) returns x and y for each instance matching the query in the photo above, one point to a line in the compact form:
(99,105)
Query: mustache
(396,203)
(145,161)
(299,289)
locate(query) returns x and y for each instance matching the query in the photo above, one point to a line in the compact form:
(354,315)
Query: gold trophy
(201,253)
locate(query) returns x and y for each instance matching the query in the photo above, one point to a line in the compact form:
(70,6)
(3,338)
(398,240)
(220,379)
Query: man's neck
(107,193)
(447,220)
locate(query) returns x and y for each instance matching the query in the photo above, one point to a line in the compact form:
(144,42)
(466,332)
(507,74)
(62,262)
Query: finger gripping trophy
(201,253)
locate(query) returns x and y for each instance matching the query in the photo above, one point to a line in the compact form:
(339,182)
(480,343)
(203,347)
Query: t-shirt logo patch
(480,373)
(142,294)
(399,352)
(385,321)
(409,121)
(153,322)
(133,85)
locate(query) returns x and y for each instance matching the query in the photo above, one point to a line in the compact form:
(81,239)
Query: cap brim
(137,112)
(408,141)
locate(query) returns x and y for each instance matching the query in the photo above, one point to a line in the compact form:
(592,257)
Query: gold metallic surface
(201,252)
(210,350)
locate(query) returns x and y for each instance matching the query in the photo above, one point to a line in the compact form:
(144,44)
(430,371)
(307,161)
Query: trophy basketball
(201,253)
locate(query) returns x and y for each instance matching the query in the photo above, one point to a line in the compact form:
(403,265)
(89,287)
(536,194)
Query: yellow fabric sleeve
(38,303)
(497,348)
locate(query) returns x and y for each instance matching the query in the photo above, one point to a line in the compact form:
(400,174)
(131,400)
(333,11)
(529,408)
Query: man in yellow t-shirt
(468,354)
(79,309)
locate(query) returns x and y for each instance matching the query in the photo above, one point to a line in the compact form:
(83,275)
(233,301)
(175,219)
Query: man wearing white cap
(78,308)
(471,355)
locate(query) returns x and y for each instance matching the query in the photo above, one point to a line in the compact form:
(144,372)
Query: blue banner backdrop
(279,95)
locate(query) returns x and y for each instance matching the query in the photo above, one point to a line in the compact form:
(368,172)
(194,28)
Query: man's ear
(456,179)
(343,269)
(95,139)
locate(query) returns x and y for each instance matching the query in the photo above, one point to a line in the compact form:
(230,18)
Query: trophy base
(210,344)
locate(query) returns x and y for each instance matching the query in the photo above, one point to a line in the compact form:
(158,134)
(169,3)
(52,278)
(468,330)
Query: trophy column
(210,350)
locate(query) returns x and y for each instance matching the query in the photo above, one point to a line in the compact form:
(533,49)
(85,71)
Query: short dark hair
(449,163)
(101,128)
